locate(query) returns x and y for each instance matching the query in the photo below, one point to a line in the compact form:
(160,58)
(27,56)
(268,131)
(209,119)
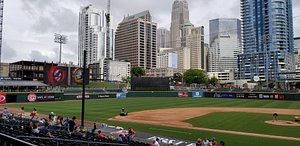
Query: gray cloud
(38,56)
(8,53)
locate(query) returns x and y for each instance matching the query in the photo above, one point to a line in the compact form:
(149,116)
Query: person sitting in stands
(33,113)
(131,134)
(22,112)
(5,112)
(100,134)
(45,130)
(120,139)
(35,128)
(72,124)
(123,112)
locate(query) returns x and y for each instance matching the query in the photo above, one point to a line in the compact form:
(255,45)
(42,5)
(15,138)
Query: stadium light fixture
(60,39)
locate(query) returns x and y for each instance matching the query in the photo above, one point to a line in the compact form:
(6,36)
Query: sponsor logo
(80,96)
(31,97)
(2,98)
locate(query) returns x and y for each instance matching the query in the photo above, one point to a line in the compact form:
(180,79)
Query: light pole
(61,39)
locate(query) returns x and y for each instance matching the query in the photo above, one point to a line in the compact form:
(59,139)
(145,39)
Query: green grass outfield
(101,110)
(245,122)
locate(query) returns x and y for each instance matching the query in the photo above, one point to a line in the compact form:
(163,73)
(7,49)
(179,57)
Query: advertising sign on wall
(77,76)
(39,97)
(183,94)
(198,94)
(121,95)
(2,98)
(228,95)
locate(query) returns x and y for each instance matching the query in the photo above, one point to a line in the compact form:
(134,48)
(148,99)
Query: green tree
(271,85)
(195,76)
(137,71)
(297,85)
(213,81)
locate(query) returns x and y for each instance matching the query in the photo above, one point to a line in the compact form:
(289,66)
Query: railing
(6,140)
(58,141)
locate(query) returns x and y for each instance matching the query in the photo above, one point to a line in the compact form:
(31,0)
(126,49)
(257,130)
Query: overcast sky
(29,25)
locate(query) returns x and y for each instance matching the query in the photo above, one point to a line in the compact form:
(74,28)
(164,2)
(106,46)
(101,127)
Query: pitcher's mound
(283,123)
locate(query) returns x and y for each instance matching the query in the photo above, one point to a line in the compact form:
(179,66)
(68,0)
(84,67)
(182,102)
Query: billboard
(56,75)
(77,76)
(198,94)
(150,84)
(2,98)
(183,94)
(121,95)
(39,97)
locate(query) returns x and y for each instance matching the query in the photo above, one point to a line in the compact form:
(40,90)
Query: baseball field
(238,122)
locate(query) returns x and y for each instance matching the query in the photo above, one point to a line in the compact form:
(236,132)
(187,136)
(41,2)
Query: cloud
(8,53)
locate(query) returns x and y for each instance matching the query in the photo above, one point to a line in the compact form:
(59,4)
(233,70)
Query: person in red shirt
(100,134)
(33,113)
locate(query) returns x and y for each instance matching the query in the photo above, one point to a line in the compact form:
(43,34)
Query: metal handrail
(17,140)
(67,140)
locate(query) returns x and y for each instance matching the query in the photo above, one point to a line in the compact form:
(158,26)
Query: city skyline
(33,38)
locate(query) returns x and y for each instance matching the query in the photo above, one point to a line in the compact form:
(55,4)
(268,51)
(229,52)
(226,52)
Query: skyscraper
(267,30)
(163,38)
(136,40)
(193,38)
(92,36)
(225,43)
(180,16)
(1,26)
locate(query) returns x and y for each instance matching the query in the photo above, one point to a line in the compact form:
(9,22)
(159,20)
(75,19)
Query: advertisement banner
(56,75)
(85,97)
(121,95)
(77,76)
(183,94)
(40,97)
(228,95)
(2,98)
(198,94)
(279,97)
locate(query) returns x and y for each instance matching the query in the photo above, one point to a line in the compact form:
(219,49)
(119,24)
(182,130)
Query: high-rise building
(225,43)
(136,40)
(267,37)
(1,26)
(180,16)
(297,56)
(166,58)
(193,38)
(163,38)
(93,38)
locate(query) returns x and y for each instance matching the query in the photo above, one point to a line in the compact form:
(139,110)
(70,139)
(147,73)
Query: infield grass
(101,110)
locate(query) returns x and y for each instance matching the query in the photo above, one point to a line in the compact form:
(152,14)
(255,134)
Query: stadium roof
(21,83)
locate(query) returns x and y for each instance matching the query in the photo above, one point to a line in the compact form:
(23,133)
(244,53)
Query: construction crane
(108,45)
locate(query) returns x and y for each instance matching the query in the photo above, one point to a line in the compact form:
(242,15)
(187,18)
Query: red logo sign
(2,98)
(31,97)
(183,94)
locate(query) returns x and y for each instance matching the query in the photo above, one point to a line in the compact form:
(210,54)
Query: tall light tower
(61,39)
(1,25)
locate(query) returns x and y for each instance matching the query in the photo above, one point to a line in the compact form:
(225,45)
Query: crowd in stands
(209,142)
(55,129)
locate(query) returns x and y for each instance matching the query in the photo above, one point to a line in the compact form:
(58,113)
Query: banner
(198,94)
(2,98)
(183,94)
(121,95)
(39,97)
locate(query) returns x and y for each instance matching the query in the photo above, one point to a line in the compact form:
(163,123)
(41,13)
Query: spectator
(222,143)
(28,127)
(45,130)
(5,112)
(100,134)
(131,135)
(205,142)
(35,128)
(22,112)
(213,142)
(33,113)
(120,139)
(94,129)
(72,124)
(124,138)
(199,142)
(66,124)
(156,142)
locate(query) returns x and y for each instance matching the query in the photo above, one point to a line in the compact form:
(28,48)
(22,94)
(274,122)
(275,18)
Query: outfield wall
(59,96)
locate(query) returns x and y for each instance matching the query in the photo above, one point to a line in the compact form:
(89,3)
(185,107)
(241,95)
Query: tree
(297,85)
(137,71)
(271,85)
(195,76)
(213,81)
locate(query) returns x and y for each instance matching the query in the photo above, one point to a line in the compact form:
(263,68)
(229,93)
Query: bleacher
(14,130)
